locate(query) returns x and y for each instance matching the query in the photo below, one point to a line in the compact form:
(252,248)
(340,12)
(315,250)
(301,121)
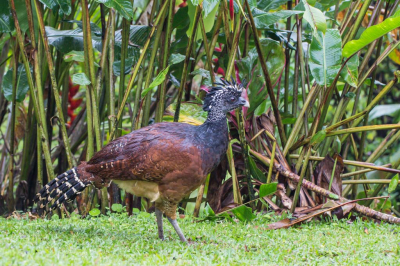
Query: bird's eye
(232,99)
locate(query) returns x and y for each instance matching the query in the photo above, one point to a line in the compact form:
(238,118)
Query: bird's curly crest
(222,87)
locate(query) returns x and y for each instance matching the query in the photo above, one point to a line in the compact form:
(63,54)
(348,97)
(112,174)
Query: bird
(163,162)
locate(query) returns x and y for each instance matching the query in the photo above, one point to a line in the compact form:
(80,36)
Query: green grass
(122,240)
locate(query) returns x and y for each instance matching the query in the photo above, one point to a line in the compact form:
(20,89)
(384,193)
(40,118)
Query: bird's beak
(244,102)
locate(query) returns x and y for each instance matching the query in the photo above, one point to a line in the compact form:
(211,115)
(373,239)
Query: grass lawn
(122,240)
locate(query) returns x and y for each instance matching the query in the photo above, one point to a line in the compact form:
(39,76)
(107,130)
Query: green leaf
(22,84)
(267,189)
(209,6)
(209,212)
(181,18)
(314,17)
(250,70)
(371,34)
(325,56)
(6,20)
(333,196)
(264,19)
(393,183)
(124,7)
(141,4)
(207,20)
(176,58)
(76,56)
(385,109)
(128,66)
(80,79)
(270,4)
(256,173)
(327,3)
(157,81)
(318,137)
(94,212)
(350,71)
(65,6)
(244,213)
(201,71)
(116,207)
(66,41)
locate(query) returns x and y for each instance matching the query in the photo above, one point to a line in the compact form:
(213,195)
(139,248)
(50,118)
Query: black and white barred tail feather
(65,187)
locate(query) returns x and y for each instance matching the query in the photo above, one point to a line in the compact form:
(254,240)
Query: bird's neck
(215,126)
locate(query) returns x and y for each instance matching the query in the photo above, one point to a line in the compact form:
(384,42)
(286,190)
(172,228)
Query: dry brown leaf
(323,173)
(285,223)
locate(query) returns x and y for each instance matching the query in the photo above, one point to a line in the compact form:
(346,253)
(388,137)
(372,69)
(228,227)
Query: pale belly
(140,188)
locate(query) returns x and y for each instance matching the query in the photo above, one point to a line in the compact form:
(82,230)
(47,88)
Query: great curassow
(163,162)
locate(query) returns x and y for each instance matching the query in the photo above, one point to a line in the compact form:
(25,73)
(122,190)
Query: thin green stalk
(232,56)
(237,198)
(302,68)
(207,50)
(124,51)
(332,175)
(225,14)
(389,140)
(111,104)
(104,53)
(271,165)
(367,181)
(361,172)
(138,95)
(54,85)
(287,65)
(89,69)
(360,16)
(270,90)
(297,125)
(186,62)
(163,87)
(369,107)
(137,67)
(302,174)
(150,71)
(39,156)
(349,14)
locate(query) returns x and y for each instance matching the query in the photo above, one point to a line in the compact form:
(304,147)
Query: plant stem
(186,62)
(124,51)
(162,90)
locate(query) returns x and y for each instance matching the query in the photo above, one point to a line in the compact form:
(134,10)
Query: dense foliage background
(320,76)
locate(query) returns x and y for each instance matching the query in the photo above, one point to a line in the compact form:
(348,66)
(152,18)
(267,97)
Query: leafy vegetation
(321,78)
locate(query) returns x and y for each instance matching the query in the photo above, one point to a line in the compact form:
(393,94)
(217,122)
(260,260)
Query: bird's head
(225,97)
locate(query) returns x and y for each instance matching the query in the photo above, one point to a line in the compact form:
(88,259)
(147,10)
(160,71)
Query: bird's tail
(65,187)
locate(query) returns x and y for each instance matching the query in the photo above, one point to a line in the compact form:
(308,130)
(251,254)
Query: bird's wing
(147,154)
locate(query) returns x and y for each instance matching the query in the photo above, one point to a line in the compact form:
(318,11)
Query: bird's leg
(177,229)
(159,216)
